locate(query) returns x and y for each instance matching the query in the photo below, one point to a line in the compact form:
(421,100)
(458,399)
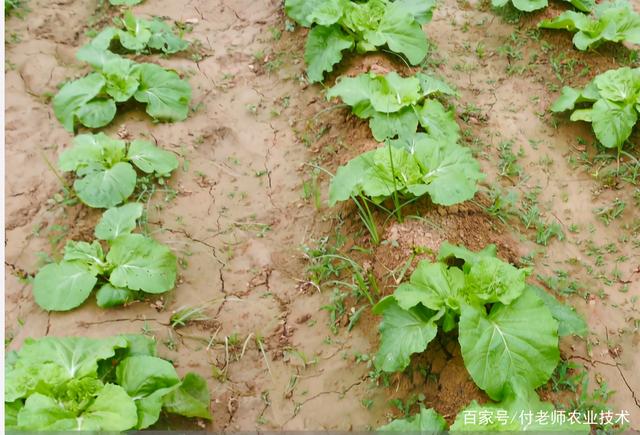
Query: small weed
(609,213)
(502,205)
(545,232)
(508,165)
(567,376)
(186,314)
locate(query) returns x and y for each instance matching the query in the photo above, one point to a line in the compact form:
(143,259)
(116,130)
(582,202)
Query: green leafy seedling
(611,21)
(456,291)
(139,35)
(92,100)
(395,106)
(610,102)
(133,264)
(104,167)
(444,170)
(340,25)
(108,385)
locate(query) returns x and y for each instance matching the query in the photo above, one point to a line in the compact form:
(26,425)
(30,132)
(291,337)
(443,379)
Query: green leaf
(191,399)
(63,286)
(620,23)
(109,296)
(122,79)
(78,356)
(446,171)
(529,5)
(140,345)
(95,56)
(390,125)
(567,100)
(403,34)
(103,180)
(569,321)
(299,10)
(582,115)
(166,95)
(90,255)
(433,285)
(149,158)
(614,21)
(328,12)
(391,92)
(492,280)
(136,34)
(448,252)
(86,150)
(590,92)
(583,41)
(74,96)
(11,410)
(502,347)
(583,5)
(568,20)
(101,187)
(324,49)
(89,149)
(422,10)
(428,421)
(349,178)
(118,220)
(97,113)
(41,412)
(148,380)
(363,18)
(163,38)
(141,264)
(402,333)
(102,41)
(613,123)
(451,173)
(372,95)
(439,123)
(111,410)
(25,379)
(355,92)
(617,85)
(432,85)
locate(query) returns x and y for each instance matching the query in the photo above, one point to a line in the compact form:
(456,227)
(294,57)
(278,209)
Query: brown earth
(239,220)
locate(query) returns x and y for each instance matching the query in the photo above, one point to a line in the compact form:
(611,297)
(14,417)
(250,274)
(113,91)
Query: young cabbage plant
(612,21)
(339,25)
(111,384)
(139,35)
(92,100)
(104,167)
(493,308)
(134,263)
(610,102)
(409,169)
(395,106)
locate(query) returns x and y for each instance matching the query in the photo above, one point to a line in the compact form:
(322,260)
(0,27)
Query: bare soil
(239,220)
